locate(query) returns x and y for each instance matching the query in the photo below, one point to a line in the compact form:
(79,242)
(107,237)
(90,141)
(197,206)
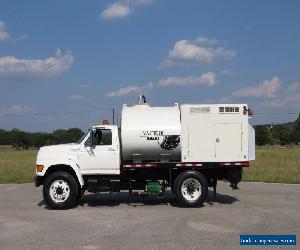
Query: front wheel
(60,190)
(191,188)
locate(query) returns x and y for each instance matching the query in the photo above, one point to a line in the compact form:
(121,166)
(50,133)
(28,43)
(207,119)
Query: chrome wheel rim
(59,191)
(191,189)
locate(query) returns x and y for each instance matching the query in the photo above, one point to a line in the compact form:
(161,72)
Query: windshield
(82,138)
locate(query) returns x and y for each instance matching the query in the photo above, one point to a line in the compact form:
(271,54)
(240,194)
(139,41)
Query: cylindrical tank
(150,133)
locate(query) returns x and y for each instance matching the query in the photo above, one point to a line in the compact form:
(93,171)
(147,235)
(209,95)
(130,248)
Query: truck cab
(99,151)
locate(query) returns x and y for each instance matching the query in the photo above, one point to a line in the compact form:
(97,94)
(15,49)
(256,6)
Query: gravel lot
(123,222)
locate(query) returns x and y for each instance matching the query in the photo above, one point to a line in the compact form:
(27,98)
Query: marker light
(39,168)
(247,111)
(250,112)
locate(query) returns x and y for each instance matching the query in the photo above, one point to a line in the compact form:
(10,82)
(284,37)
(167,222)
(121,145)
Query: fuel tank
(150,133)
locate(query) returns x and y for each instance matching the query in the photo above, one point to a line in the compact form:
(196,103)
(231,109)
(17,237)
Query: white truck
(184,147)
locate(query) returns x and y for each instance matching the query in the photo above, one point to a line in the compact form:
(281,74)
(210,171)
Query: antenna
(113,116)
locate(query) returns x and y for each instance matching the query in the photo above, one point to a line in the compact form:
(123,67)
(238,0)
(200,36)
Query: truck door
(104,156)
(228,142)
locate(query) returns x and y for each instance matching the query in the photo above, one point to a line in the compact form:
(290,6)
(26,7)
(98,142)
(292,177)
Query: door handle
(111,149)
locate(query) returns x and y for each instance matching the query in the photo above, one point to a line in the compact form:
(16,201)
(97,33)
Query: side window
(102,137)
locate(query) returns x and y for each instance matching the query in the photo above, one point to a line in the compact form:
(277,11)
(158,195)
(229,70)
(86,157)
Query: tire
(60,190)
(80,193)
(191,188)
(173,188)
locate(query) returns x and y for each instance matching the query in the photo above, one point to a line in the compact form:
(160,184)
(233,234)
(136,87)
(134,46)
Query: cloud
(130,90)
(122,9)
(16,109)
(290,98)
(207,79)
(287,100)
(12,67)
(4,35)
(206,41)
(268,88)
(294,86)
(115,11)
(187,52)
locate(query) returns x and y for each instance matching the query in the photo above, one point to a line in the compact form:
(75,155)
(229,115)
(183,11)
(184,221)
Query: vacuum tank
(150,133)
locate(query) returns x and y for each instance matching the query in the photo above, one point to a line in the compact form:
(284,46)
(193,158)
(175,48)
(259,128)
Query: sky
(69,63)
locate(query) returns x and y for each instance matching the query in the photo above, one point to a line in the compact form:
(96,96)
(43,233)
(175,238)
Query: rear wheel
(173,187)
(60,190)
(191,188)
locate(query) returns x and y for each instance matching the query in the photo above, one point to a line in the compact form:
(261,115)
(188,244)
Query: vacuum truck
(186,148)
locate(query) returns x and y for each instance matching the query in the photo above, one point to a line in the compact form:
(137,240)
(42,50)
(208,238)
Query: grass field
(271,165)
(275,165)
(17,166)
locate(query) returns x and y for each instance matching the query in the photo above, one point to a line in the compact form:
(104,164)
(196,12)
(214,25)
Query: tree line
(283,134)
(24,140)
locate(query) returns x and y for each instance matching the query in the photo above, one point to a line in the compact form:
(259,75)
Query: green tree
(59,136)
(19,139)
(296,132)
(281,133)
(74,134)
(262,135)
(5,137)
(23,140)
(285,137)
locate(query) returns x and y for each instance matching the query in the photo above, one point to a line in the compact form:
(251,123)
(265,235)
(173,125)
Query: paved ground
(122,222)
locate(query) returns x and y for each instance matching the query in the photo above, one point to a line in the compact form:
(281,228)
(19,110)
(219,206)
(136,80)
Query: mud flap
(234,176)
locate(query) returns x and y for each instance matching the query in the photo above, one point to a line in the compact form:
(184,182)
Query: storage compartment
(214,133)
(228,143)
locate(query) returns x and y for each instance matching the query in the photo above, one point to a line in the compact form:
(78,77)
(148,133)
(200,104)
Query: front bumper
(38,180)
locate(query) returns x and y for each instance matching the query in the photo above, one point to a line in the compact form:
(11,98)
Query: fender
(50,164)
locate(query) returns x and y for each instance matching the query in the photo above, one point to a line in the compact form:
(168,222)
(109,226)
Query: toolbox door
(228,141)
(201,142)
